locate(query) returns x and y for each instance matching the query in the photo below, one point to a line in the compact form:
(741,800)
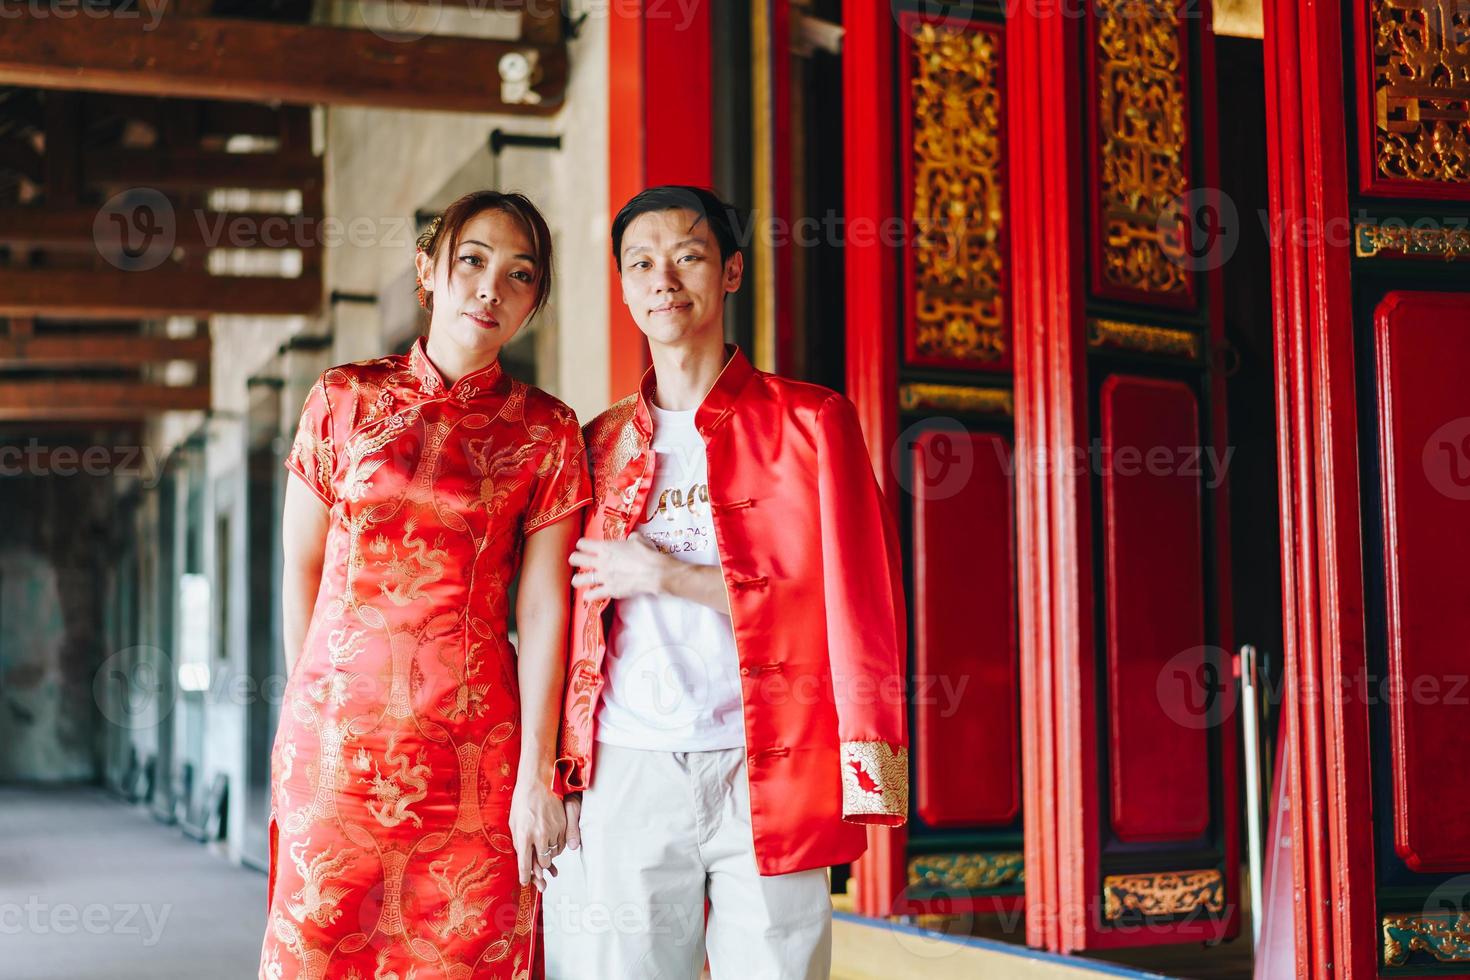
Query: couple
(662,769)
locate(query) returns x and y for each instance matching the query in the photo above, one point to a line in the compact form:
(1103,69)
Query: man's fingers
(574,822)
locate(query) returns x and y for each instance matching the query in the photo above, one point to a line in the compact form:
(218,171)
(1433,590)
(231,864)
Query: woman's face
(484,291)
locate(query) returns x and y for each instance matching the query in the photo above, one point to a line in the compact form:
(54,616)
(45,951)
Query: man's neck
(684,374)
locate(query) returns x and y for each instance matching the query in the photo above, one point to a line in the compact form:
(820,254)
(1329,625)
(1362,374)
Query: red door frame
(1322,573)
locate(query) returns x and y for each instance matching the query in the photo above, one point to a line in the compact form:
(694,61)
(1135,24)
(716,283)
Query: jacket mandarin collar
(717,401)
(432,382)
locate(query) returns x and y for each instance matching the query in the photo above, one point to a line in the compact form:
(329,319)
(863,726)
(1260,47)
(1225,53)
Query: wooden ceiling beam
(100,349)
(154,294)
(193,228)
(201,169)
(258,61)
(36,400)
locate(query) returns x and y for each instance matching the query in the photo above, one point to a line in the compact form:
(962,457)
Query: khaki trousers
(661,832)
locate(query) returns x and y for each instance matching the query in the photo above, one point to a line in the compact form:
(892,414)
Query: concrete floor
(93,889)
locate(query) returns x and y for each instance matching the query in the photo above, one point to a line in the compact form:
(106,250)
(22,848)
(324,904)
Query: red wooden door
(1369,103)
(926,188)
(1131,786)
(1053,319)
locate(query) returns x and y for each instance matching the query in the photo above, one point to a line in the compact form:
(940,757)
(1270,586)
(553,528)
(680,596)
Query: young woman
(412,817)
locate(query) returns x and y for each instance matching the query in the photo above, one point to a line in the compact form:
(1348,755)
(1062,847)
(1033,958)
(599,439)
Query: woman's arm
(537,819)
(303,544)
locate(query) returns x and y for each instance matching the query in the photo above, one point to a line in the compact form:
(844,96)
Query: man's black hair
(717,214)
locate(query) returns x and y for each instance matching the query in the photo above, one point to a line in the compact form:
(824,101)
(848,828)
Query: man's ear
(734,272)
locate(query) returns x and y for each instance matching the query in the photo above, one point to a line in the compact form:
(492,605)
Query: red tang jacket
(809,555)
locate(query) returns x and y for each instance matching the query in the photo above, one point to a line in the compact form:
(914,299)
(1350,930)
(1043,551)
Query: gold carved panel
(968,872)
(1163,893)
(957,202)
(1443,935)
(1421,90)
(1142,152)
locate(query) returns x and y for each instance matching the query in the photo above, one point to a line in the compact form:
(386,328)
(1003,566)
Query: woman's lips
(488,322)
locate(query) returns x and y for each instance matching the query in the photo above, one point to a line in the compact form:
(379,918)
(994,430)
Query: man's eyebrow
(680,244)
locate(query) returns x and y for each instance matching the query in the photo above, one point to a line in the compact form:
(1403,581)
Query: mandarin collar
(717,401)
(432,382)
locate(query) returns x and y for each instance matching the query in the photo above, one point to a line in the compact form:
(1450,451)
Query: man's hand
(618,569)
(573,804)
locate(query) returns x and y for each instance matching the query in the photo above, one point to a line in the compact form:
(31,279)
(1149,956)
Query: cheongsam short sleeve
(313,455)
(562,484)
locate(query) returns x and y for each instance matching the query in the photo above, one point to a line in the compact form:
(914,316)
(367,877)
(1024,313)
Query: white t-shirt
(673,676)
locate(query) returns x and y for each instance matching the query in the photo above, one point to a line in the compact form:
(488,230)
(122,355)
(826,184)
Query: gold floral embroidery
(612,440)
(875,781)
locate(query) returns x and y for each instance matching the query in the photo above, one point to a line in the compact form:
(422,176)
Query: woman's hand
(538,826)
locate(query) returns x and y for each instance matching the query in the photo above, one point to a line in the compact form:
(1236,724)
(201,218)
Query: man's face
(673,279)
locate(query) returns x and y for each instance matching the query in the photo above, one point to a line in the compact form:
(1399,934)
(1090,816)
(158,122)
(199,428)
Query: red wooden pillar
(871,329)
(660,131)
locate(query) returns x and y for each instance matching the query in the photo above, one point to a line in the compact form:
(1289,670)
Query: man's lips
(483,320)
(671,308)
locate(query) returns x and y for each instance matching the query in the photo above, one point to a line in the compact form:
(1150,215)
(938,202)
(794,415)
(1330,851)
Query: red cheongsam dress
(395,759)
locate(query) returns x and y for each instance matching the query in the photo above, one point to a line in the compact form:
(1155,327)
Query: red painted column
(872,319)
(660,131)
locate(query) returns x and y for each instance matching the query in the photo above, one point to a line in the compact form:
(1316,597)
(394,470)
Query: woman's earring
(423,300)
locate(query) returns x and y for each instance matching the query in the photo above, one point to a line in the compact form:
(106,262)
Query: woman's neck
(453,361)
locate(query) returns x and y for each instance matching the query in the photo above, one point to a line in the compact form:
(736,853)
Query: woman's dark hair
(447,228)
(717,214)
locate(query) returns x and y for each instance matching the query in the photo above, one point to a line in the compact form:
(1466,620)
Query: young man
(734,712)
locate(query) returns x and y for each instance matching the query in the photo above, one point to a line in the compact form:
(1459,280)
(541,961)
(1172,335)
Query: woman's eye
(472,259)
(522,275)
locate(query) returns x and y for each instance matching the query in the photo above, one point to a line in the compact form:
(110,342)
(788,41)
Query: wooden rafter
(25,399)
(76,228)
(99,349)
(257,61)
(156,293)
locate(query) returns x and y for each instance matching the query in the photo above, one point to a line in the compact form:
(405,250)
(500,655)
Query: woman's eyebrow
(520,255)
